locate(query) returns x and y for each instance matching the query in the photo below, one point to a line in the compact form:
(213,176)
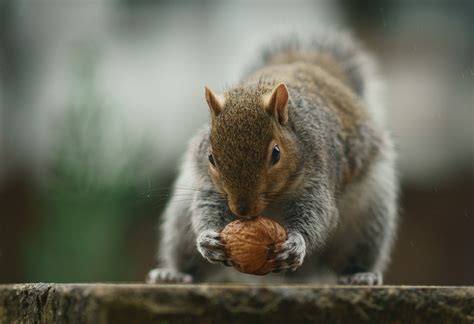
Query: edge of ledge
(233,303)
(222,285)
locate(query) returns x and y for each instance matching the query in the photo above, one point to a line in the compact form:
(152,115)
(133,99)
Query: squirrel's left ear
(277,103)
(215,102)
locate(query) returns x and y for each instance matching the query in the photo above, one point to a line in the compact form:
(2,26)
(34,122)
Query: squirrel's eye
(211,159)
(275,154)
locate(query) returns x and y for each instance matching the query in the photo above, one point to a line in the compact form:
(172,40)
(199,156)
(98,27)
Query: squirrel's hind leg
(163,275)
(176,254)
(362,246)
(362,278)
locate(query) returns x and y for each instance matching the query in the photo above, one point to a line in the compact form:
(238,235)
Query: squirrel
(302,140)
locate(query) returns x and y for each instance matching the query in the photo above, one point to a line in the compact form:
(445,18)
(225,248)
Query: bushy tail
(356,65)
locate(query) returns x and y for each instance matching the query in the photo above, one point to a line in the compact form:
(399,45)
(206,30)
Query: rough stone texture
(138,303)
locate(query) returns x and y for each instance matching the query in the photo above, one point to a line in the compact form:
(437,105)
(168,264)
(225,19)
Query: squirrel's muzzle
(245,209)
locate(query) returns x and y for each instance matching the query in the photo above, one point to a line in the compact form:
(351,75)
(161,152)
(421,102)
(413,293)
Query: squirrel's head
(252,155)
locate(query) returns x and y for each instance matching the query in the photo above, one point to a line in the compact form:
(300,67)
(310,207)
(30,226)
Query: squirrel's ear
(277,103)
(215,102)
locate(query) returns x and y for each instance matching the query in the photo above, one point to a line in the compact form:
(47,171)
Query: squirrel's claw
(212,249)
(290,254)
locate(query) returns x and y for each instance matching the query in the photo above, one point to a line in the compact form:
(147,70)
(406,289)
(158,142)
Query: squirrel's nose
(243,209)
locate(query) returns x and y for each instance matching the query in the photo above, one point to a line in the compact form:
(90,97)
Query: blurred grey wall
(151,61)
(150,65)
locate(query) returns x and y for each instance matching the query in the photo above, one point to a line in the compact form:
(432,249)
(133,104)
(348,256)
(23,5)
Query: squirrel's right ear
(215,102)
(277,103)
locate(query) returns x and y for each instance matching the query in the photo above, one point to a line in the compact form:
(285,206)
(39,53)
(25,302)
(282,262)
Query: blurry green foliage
(90,200)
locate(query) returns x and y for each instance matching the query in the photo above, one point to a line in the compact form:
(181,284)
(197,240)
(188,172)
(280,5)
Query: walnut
(251,244)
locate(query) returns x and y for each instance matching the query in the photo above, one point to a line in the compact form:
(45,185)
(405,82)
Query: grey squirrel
(301,140)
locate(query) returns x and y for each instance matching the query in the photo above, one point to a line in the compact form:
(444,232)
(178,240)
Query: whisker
(177,188)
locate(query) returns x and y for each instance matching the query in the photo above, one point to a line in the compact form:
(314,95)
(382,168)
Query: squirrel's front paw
(290,254)
(211,248)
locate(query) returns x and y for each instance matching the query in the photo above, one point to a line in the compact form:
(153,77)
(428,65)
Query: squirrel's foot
(163,275)
(212,249)
(290,254)
(362,278)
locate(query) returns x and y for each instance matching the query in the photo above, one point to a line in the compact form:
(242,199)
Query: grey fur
(336,229)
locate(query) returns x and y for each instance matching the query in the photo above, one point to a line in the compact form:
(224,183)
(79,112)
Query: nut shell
(251,244)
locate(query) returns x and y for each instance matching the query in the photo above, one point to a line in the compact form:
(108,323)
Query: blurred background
(98,99)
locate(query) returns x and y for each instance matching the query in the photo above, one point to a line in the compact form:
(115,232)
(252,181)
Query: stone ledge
(139,303)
